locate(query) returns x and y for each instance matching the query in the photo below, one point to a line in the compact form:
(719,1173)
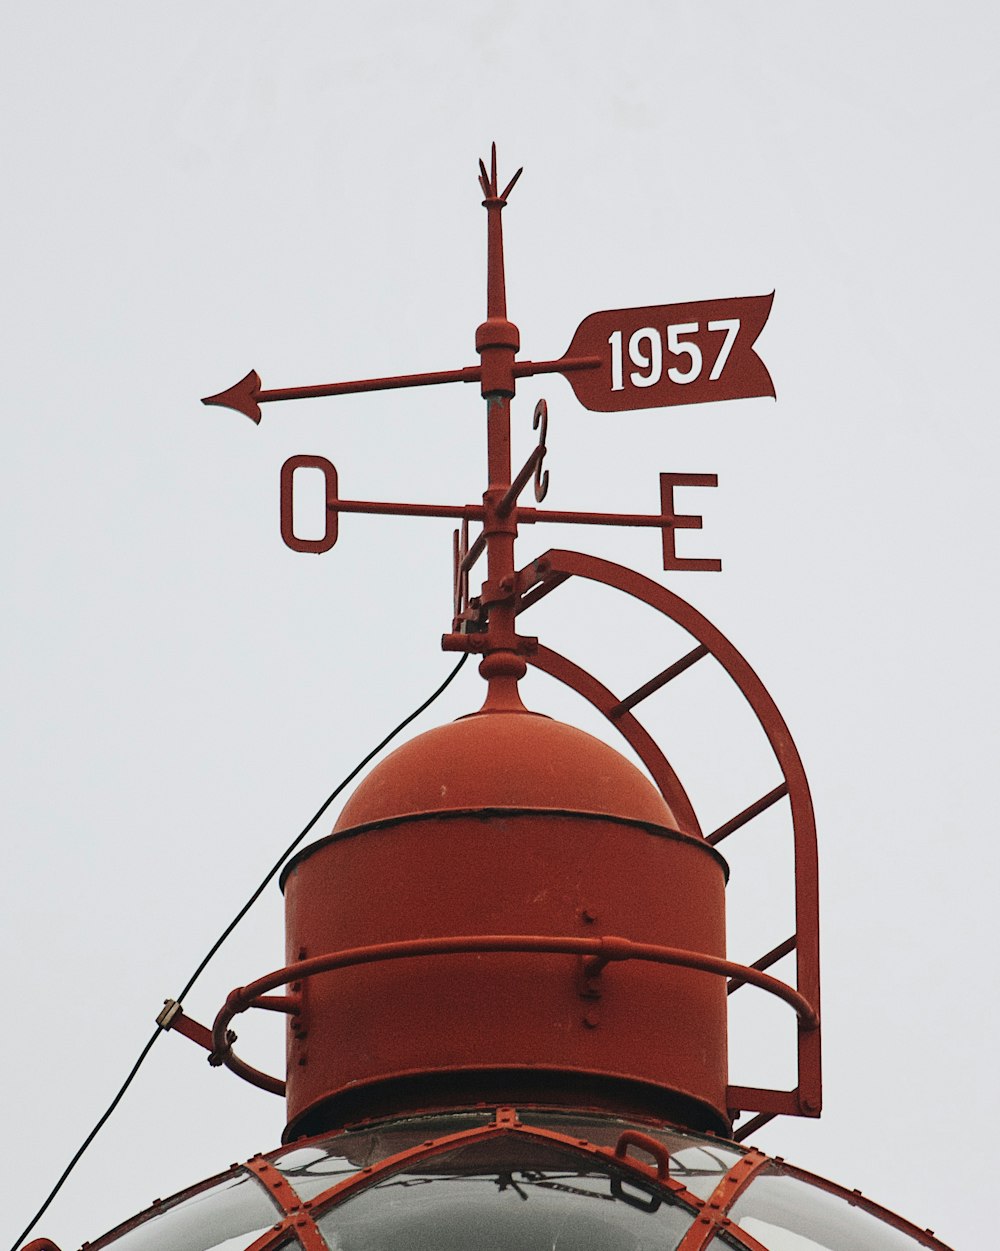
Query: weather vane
(507,971)
(618,360)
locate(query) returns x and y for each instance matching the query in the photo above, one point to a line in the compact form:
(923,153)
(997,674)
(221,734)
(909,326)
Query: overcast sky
(193,190)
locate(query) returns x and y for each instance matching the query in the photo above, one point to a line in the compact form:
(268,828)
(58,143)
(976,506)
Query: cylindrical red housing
(506,823)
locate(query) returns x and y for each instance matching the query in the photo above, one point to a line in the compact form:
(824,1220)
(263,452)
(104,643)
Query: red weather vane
(619,359)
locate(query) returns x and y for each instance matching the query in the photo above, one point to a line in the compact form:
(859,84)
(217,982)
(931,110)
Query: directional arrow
(246,396)
(656,356)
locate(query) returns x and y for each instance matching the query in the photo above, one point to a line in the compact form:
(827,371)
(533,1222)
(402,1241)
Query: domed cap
(505,759)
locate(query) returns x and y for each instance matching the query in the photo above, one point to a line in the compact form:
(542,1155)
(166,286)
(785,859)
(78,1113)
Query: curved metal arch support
(507,1123)
(661,771)
(550,571)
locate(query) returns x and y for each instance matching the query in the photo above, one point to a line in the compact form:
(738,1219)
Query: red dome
(505,826)
(506,759)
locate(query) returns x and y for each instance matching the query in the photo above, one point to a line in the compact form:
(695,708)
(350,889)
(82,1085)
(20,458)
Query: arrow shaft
(567,365)
(471,373)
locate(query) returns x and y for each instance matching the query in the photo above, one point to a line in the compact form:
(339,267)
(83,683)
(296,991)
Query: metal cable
(213,950)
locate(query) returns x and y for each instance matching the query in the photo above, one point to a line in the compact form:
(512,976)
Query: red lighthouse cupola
(507,825)
(506,975)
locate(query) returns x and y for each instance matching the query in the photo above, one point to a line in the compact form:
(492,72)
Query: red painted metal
(173,1017)
(606,376)
(500,834)
(713,1216)
(449,942)
(298,1219)
(557,567)
(660,769)
(683,521)
(597,953)
(657,1149)
(509,1123)
(246,395)
(425,833)
(640,369)
(287,526)
(710,1216)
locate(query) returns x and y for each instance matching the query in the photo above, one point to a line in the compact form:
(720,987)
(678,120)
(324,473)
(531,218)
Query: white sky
(193,190)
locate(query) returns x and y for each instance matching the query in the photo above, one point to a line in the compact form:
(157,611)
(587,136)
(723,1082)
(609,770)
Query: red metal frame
(486,626)
(598,953)
(551,571)
(297,1217)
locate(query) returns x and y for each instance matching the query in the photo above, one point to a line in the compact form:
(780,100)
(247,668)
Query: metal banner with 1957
(669,354)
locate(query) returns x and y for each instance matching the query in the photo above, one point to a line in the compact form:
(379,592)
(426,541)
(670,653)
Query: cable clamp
(169,1014)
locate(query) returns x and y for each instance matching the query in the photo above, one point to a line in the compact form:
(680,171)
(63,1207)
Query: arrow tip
(242,397)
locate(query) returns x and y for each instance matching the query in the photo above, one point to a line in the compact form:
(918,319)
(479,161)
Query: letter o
(287,519)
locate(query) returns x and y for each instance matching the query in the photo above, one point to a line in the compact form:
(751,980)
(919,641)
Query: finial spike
(510,186)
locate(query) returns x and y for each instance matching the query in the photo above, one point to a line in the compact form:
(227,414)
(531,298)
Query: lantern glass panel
(788,1213)
(316,1166)
(502,1193)
(227,1216)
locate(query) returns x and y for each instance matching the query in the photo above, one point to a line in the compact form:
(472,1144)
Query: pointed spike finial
(490,182)
(510,186)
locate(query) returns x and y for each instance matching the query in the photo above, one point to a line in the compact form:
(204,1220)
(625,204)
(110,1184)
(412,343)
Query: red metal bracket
(552,570)
(600,952)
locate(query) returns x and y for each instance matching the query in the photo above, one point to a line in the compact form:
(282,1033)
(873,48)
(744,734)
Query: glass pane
(313,1169)
(786,1213)
(316,1167)
(226,1217)
(506,1194)
(698,1162)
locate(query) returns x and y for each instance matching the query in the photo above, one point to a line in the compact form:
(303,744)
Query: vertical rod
(497,341)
